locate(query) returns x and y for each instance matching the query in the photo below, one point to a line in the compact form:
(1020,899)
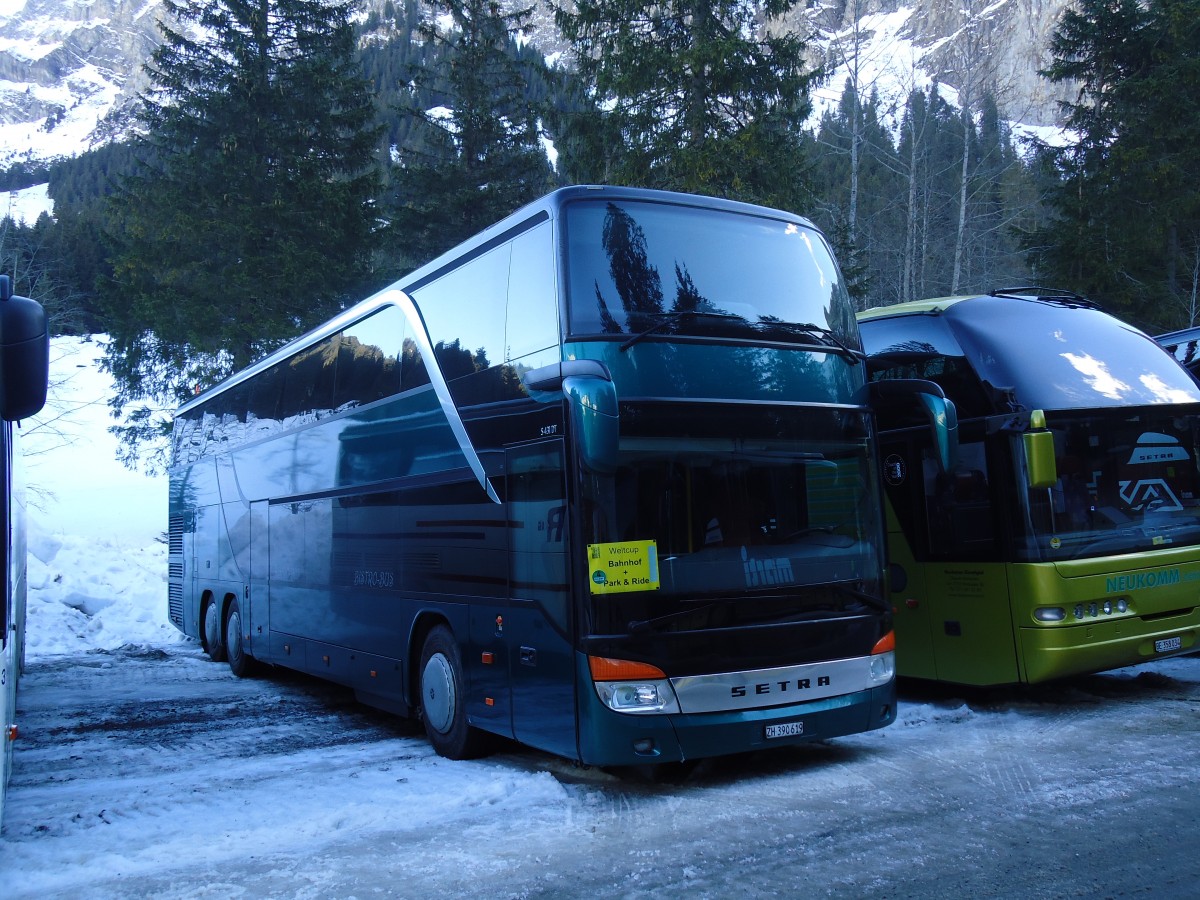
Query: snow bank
(96,530)
(95,594)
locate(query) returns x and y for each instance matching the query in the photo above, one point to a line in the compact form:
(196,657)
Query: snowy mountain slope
(66,65)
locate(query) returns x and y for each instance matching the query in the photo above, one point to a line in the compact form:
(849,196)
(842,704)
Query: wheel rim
(212,629)
(437,693)
(233,636)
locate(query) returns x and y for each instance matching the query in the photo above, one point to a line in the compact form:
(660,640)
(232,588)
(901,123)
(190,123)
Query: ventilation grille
(175,568)
(175,604)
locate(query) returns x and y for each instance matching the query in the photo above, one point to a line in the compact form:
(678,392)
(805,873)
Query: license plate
(1166,645)
(787,729)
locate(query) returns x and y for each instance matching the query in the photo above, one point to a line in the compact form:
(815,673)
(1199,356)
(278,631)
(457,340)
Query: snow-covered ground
(143,769)
(26,205)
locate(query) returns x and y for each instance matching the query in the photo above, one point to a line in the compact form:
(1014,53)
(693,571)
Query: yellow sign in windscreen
(623,566)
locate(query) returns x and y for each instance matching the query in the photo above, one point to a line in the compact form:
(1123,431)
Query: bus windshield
(638,267)
(1128,482)
(752,514)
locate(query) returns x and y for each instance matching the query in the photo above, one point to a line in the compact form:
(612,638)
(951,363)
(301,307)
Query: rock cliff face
(67,64)
(1002,44)
(64,63)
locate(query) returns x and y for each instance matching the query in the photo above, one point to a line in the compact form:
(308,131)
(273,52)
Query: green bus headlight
(1049,613)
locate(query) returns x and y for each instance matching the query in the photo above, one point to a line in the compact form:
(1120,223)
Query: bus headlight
(638,696)
(883,659)
(883,668)
(1049,613)
(632,687)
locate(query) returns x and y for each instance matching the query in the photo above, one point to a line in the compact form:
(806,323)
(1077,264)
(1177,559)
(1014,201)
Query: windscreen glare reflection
(683,270)
(754,516)
(1128,481)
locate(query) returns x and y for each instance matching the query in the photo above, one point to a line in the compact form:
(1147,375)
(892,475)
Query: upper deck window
(1056,357)
(636,266)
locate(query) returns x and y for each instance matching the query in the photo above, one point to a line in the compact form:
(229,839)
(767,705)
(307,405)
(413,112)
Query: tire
(443,698)
(240,662)
(213,639)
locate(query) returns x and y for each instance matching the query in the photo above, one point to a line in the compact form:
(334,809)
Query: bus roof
(911,308)
(938,305)
(1051,350)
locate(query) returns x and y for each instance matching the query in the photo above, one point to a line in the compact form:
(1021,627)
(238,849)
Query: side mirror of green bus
(594,420)
(1039,453)
(24,354)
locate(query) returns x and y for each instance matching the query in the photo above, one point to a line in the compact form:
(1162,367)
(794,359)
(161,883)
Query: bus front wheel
(443,700)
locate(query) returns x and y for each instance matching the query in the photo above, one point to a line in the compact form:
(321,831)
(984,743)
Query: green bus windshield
(1128,482)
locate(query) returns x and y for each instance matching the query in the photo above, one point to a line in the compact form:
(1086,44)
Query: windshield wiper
(678,316)
(878,603)
(870,600)
(827,339)
(645,624)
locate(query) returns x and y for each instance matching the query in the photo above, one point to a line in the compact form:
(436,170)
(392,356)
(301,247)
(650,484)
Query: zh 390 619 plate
(786,729)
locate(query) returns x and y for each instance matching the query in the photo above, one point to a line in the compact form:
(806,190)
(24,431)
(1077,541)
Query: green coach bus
(601,480)
(1065,537)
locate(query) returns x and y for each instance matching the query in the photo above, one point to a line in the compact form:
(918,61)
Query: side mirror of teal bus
(592,399)
(939,410)
(943,422)
(24,354)
(594,419)
(1039,452)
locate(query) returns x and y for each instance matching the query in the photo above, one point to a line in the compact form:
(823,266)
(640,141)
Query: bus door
(907,551)
(954,619)
(537,627)
(967,577)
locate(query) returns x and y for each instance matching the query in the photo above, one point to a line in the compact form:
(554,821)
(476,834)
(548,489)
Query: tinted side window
(368,361)
(532,322)
(466,307)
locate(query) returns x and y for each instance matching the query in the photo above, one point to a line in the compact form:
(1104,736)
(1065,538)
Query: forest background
(290,157)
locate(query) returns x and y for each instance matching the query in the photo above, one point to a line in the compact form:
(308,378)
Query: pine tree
(249,217)
(696,96)
(477,152)
(1137,118)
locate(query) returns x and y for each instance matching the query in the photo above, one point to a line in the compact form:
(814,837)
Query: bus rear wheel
(443,699)
(213,643)
(240,662)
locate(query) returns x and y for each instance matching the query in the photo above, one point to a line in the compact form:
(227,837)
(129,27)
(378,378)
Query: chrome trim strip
(387,297)
(763,688)
(406,305)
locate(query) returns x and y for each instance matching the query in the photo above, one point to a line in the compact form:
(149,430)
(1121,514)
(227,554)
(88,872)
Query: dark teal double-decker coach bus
(601,479)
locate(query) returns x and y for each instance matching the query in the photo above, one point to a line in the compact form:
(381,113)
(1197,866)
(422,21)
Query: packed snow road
(153,772)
